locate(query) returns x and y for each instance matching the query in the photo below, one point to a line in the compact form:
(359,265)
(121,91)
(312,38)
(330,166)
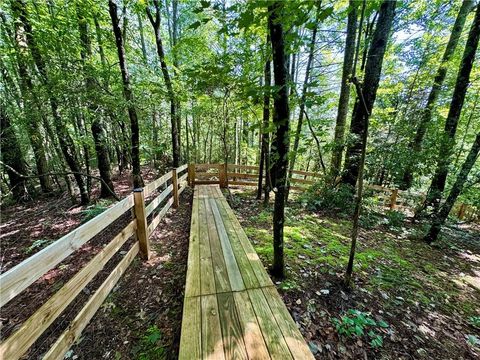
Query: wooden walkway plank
(276,344)
(222,278)
(291,334)
(191,341)
(212,341)
(232,332)
(192,286)
(252,335)
(207,279)
(232,310)
(249,278)
(256,263)
(234,274)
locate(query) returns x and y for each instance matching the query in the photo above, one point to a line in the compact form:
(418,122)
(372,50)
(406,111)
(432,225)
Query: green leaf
(195,25)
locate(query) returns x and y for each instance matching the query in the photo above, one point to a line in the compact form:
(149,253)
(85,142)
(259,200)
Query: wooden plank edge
(68,337)
(156,220)
(151,187)
(18,343)
(18,278)
(155,202)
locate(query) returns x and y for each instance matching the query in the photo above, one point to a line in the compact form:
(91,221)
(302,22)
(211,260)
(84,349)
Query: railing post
(142,236)
(175,188)
(191,175)
(393,199)
(222,174)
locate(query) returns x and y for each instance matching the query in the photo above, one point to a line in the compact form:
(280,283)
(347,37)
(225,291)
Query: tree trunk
(281,121)
(373,69)
(337,151)
(97,127)
(264,155)
(127,93)
(302,105)
(12,157)
(364,104)
(441,216)
(66,142)
(31,104)
(415,146)
(447,142)
(174,110)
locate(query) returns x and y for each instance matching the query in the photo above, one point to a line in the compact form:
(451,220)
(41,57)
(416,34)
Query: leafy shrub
(369,219)
(356,323)
(37,245)
(149,347)
(324,196)
(475,321)
(94,210)
(395,219)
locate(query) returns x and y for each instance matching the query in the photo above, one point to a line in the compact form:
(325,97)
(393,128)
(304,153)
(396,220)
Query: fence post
(191,175)
(175,188)
(142,236)
(393,199)
(222,174)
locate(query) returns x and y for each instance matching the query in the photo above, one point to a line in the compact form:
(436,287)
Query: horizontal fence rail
(144,220)
(247,175)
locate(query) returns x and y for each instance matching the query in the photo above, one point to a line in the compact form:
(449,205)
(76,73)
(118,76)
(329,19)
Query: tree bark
(281,121)
(364,104)
(12,156)
(264,153)
(415,146)
(441,216)
(128,94)
(302,105)
(447,141)
(174,110)
(31,103)
(66,142)
(97,127)
(338,140)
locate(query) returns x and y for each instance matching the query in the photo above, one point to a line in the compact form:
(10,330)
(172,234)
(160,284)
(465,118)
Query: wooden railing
(242,175)
(247,175)
(17,279)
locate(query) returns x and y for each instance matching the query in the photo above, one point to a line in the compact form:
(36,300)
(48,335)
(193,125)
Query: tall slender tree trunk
(441,216)
(447,141)
(97,127)
(281,119)
(66,142)
(364,106)
(415,146)
(338,140)
(264,154)
(366,97)
(128,95)
(302,105)
(12,157)
(31,104)
(174,111)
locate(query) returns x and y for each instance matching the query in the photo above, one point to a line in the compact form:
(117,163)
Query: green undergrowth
(389,264)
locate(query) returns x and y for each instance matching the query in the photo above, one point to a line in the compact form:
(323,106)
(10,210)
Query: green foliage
(37,245)
(369,219)
(149,346)
(475,321)
(395,219)
(90,212)
(324,196)
(358,324)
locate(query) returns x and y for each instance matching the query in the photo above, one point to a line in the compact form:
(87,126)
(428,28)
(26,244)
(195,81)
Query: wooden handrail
(24,274)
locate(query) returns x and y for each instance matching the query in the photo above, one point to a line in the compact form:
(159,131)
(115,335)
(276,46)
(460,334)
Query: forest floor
(409,300)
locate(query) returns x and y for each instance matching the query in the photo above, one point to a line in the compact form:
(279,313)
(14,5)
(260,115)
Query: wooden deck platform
(231,309)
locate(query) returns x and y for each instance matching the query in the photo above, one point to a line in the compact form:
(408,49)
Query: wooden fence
(17,279)
(247,175)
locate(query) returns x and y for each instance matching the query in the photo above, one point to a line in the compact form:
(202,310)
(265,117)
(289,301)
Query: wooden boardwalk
(231,309)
